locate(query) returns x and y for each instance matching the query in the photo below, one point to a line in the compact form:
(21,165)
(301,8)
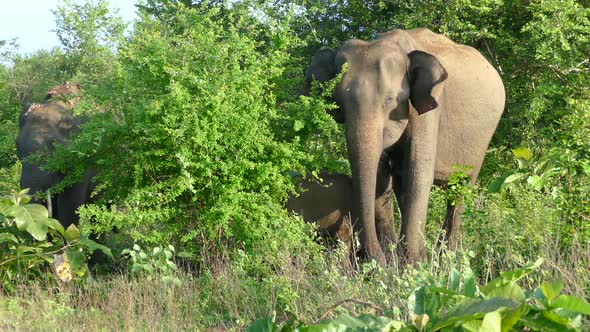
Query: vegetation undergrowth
(194,119)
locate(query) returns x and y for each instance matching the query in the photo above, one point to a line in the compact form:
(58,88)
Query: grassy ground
(225,298)
(500,233)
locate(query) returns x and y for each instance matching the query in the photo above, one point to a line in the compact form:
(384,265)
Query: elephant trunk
(365,145)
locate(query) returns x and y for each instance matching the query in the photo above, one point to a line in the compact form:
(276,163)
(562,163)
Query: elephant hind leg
(452,225)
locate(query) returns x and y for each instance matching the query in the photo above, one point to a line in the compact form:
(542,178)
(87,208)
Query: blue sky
(31,21)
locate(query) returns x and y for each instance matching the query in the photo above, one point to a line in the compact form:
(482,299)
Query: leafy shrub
(158,262)
(30,240)
(193,154)
(459,303)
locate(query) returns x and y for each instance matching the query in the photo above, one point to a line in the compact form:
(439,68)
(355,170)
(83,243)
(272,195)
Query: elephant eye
(388,101)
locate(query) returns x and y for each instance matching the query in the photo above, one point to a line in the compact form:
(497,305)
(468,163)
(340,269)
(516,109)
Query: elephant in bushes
(42,125)
(328,204)
(414,104)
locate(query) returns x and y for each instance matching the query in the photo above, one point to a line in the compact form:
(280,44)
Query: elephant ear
(322,66)
(322,69)
(425,73)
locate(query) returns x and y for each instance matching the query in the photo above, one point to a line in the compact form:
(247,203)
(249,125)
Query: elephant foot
(376,253)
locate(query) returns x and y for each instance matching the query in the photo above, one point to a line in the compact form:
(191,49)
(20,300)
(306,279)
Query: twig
(329,311)
(39,254)
(494,59)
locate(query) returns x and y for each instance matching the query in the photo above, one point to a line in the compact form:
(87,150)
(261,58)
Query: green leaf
(571,303)
(32,218)
(471,326)
(265,324)
(5,237)
(469,287)
(92,246)
(497,184)
(536,181)
(551,290)
(541,323)
(514,177)
(511,276)
(523,156)
(492,322)
(53,223)
(72,233)
(421,301)
(441,290)
(470,309)
(507,290)
(563,317)
(77,261)
(520,273)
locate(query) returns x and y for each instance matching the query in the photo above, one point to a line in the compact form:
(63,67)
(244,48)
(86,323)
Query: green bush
(195,154)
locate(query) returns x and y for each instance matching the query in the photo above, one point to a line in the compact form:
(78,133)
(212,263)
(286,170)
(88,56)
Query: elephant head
(66,95)
(386,83)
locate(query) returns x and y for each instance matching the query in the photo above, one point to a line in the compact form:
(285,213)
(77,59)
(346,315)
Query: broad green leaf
(469,287)
(507,290)
(53,223)
(511,317)
(563,317)
(536,181)
(265,324)
(21,250)
(323,327)
(77,261)
(514,177)
(471,326)
(422,301)
(72,233)
(541,323)
(5,237)
(470,309)
(572,303)
(32,218)
(441,290)
(551,290)
(523,156)
(520,273)
(497,184)
(95,246)
(362,323)
(396,326)
(492,322)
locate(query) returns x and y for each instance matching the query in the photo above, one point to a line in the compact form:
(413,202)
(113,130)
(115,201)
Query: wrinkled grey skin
(328,204)
(42,125)
(414,103)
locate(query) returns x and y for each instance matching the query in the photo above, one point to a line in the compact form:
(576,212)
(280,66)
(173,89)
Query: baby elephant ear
(425,73)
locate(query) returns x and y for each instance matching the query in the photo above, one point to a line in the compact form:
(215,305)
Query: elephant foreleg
(418,177)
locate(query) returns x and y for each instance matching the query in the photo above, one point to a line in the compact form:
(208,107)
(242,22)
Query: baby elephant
(328,204)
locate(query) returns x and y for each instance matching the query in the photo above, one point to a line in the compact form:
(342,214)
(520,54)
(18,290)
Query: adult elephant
(42,125)
(415,103)
(328,204)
